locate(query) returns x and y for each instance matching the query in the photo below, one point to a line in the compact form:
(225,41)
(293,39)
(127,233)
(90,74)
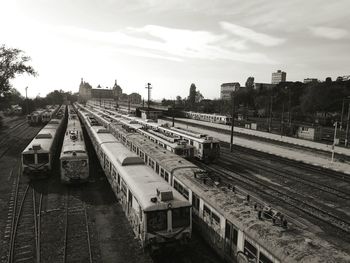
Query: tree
(328,80)
(12,63)
(198,96)
(192,96)
(249,84)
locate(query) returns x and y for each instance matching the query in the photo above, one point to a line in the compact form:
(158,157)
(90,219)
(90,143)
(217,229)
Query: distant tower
(279,76)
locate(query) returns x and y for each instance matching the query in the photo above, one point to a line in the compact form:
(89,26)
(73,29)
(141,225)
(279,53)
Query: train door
(231,238)
(129,207)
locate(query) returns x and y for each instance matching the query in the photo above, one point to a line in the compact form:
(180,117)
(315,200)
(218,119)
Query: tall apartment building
(279,76)
(227,89)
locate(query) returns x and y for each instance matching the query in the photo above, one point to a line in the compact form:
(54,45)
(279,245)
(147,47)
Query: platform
(279,150)
(274,137)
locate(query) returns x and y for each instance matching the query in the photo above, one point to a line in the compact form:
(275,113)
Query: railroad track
(77,245)
(13,138)
(24,241)
(246,163)
(257,186)
(319,170)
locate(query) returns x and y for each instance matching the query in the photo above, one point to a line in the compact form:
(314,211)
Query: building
(135,98)
(227,89)
(310,80)
(86,92)
(263,86)
(279,76)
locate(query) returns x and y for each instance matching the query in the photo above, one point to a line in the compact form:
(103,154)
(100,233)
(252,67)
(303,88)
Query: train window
(123,188)
(157,221)
(166,176)
(43,157)
(206,211)
(181,217)
(250,250)
(28,158)
(206,145)
(185,193)
(157,168)
(195,201)
(215,218)
(162,172)
(264,259)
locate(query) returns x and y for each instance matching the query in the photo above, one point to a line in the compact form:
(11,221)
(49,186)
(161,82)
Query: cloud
(170,43)
(251,35)
(332,33)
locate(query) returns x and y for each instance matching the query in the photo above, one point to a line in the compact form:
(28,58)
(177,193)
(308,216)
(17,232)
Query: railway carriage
(35,118)
(74,161)
(158,215)
(214,118)
(49,113)
(38,157)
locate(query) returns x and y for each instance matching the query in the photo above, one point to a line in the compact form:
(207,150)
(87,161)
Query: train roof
(294,244)
(141,179)
(44,138)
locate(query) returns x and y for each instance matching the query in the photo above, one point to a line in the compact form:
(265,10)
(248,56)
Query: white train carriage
(35,118)
(158,215)
(214,118)
(74,160)
(38,157)
(49,113)
(228,222)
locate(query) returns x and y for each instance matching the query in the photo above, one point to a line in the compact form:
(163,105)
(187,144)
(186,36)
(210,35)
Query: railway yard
(47,221)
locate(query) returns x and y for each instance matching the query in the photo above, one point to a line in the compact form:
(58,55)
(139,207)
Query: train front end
(74,166)
(35,161)
(168,222)
(210,149)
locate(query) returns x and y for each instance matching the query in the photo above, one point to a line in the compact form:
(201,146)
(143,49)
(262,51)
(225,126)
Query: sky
(173,43)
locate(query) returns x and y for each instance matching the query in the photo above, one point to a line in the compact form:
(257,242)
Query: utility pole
(27,101)
(270,118)
(282,119)
(347,127)
(290,107)
(232,122)
(149,93)
(334,139)
(173,114)
(341,116)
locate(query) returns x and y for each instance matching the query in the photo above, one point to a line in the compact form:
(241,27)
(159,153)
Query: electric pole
(27,101)
(347,127)
(232,122)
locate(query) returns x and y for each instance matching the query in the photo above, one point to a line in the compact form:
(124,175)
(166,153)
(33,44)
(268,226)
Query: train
(166,141)
(205,148)
(74,160)
(38,157)
(42,116)
(238,228)
(49,113)
(214,118)
(159,215)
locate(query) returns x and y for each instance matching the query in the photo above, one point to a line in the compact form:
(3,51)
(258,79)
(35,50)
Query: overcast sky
(173,43)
